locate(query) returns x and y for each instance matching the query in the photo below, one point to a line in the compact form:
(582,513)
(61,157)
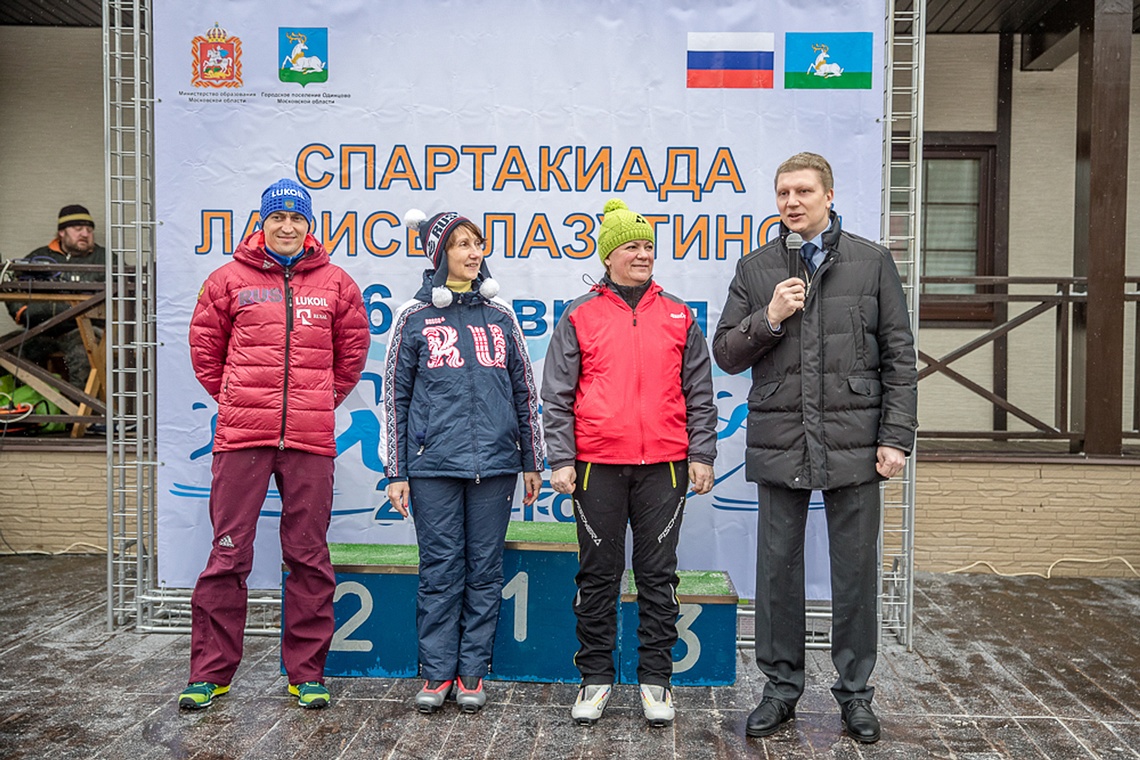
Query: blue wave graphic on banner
(203,492)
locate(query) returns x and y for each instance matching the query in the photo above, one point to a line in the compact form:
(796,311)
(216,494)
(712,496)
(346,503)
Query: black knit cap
(70,216)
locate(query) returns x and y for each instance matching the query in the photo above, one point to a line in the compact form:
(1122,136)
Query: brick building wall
(53,501)
(1017,516)
(1025,516)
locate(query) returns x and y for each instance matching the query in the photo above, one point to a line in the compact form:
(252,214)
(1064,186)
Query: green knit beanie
(620,226)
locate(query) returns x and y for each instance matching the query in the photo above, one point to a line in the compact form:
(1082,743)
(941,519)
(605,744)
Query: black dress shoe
(860,721)
(768,716)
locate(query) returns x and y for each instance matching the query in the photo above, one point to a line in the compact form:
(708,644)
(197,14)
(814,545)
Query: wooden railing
(1058,300)
(82,302)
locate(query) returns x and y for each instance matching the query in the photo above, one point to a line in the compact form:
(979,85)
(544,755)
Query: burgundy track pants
(240,483)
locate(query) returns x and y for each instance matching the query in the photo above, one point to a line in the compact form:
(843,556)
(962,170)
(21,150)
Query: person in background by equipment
(74,243)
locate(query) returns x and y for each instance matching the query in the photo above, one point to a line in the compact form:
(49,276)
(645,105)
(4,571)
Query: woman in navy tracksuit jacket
(461,421)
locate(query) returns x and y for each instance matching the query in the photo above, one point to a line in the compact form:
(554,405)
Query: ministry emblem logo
(217,59)
(304,54)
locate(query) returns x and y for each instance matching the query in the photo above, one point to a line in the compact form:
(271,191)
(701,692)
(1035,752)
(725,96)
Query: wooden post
(1100,211)
(1001,218)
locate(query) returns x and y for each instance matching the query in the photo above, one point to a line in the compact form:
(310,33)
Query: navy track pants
(460,528)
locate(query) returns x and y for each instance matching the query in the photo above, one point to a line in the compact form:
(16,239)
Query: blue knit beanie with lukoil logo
(287,195)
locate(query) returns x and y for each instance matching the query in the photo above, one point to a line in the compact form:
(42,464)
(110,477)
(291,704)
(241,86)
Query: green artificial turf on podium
(409,554)
(694,583)
(374,554)
(543,532)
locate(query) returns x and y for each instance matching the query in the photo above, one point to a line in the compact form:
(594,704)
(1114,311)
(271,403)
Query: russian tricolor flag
(731,59)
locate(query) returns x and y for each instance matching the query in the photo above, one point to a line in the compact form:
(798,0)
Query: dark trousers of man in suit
(853,535)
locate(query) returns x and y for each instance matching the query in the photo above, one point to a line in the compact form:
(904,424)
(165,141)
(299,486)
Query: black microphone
(794,243)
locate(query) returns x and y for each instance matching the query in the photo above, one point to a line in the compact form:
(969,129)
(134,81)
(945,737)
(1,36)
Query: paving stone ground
(1014,668)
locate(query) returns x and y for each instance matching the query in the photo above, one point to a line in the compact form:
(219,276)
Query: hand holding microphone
(788,296)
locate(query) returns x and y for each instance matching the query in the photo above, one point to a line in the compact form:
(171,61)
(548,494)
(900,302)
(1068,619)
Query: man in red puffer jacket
(279,338)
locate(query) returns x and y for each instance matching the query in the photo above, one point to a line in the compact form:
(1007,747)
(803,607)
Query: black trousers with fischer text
(650,498)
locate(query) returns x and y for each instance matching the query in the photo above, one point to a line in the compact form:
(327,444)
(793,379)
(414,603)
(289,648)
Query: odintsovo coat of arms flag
(828,60)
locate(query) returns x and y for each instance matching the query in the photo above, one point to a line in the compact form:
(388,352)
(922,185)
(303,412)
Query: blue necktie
(808,254)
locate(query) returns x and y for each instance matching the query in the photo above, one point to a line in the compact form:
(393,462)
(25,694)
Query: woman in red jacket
(629,420)
(278,338)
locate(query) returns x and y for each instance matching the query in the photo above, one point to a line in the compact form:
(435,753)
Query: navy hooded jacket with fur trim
(459,394)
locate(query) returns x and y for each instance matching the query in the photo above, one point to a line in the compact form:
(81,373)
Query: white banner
(525,118)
